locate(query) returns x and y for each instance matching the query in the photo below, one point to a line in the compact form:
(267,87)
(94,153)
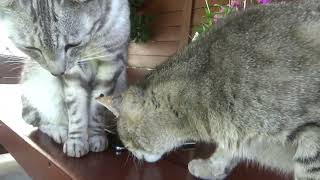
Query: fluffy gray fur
(251,85)
(77,50)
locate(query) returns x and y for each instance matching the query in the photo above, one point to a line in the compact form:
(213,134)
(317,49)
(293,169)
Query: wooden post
(186,24)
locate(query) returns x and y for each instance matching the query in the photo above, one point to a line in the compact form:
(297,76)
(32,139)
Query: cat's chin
(151,158)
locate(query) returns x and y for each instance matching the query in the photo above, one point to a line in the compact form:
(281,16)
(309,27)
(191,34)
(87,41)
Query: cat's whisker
(128,156)
(10,77)
(134,161)
(15,68)
(140,163)
(11,63)
(95,57)
(144,68)
(93,54)
(91,58)
(94,51)
(3,62)
(109,131)
(13,60)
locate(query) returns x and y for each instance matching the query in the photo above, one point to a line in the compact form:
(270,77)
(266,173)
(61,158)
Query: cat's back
(264,66)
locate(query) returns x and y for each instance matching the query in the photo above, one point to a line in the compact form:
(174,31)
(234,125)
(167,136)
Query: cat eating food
(78,50)
(251,85)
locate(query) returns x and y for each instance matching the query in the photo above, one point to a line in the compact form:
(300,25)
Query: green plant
(214,12)
(211,14)
(140,23)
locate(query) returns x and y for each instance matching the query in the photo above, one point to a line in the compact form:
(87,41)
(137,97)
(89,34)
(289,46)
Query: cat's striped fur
(81,52)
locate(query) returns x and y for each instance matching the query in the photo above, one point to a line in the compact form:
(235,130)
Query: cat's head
(58,33)
(144,131)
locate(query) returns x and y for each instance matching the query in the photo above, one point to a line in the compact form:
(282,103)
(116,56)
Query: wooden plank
(186,23)
(10,69)
(168,19)
(37,165)
(161,6)
(201,3)
(146,61)
(197,15)
(43,160)
(154,48)
(165,33)
(10,80)
(136,75)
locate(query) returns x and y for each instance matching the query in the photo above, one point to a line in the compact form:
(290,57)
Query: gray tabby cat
(81,50)
(251,85)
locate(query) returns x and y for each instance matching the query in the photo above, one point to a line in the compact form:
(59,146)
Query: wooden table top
(43,159)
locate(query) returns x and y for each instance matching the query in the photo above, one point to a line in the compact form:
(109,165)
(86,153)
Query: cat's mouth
(146,156)
(143,155)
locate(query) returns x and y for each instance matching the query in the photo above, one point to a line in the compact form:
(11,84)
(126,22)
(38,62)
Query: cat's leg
(111,78)
(97,136)
(76,100)
(218,166)
(42,102)
(307,156)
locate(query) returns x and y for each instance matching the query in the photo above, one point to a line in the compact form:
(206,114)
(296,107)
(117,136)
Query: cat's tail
(30,114)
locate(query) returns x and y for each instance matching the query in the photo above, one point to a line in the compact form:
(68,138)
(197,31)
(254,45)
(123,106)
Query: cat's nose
(57,69)
(58,74)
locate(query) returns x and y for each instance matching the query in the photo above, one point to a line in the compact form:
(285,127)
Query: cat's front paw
(76,147)
(98,143)
(60,135)
(203,169)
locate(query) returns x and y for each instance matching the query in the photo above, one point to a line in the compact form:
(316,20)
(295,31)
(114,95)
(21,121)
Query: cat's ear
(5,3)
(7,6)
(112,103)
(11,4)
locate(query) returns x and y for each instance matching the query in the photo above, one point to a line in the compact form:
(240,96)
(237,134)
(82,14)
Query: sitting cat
(251,85)
(78,50)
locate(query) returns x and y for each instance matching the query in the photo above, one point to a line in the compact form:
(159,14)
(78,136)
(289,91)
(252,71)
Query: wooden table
(43,159)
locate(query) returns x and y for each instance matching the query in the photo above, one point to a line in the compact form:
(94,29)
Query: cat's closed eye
(33,49)
(72,45)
